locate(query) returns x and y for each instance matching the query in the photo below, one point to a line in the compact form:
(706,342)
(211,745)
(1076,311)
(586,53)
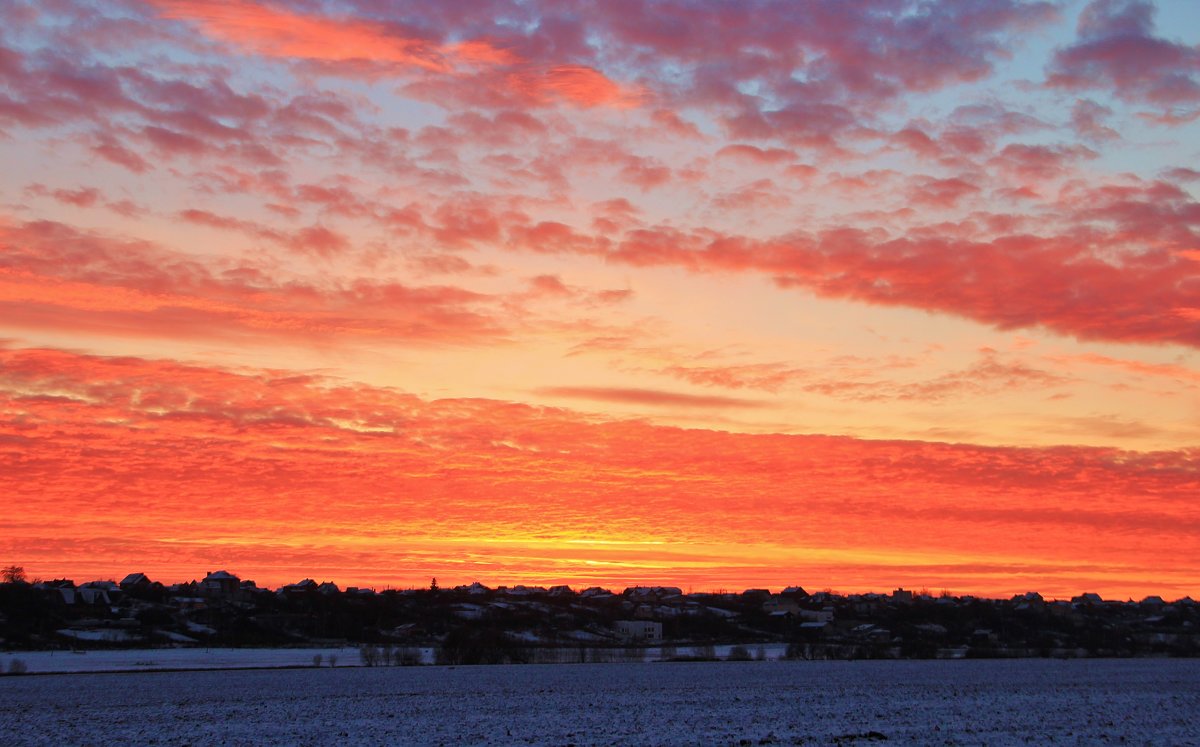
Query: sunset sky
(850,295)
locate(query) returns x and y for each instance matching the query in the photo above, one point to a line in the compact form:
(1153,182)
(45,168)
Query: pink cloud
(1116,50)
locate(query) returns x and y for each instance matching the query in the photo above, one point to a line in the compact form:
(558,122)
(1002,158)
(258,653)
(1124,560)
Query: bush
(316,660)
(408,657)
(480,646)
(16,666)
(738,653)
(369,655)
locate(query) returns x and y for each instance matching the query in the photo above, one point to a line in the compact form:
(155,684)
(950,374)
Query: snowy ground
(177,658)
(927,702)
(140,660)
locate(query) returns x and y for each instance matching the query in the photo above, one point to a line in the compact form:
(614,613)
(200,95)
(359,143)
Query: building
(220,584)
(781,605)
(135,582)
(639,630)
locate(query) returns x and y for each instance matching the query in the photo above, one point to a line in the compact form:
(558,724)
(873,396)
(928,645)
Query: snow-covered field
(179,658)
(141,660)
(928,702)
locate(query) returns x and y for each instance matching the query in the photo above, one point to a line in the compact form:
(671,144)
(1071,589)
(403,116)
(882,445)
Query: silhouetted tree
(13,574)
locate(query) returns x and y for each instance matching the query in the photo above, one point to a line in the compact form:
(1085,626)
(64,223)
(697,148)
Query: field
(1137,701)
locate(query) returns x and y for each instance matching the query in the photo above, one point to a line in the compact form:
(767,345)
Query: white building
(641,630)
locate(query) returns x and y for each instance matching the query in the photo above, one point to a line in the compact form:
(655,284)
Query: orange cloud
(161,466)
(273,32)
(54,277)
(586,86)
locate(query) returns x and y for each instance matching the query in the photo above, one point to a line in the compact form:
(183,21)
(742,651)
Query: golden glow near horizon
(840,296)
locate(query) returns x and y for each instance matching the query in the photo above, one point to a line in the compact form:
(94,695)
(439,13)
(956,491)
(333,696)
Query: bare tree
(369,655)
(333,660)
(316,660)
(408,656)
(13,574)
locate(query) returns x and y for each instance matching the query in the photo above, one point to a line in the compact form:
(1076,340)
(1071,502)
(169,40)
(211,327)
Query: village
(475,624)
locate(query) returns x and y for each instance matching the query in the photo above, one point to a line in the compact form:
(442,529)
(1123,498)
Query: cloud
(769,377)
(653,397)
(273,32)
(53,276)
(1116,49)
(300,466)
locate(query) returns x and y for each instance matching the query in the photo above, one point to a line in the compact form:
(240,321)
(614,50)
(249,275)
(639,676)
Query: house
(221,585)
(92,595)
(781,606)
(639,630)
(652,592)
(815,628)
(823,615)
(298,590)
(902,596)
(135,582)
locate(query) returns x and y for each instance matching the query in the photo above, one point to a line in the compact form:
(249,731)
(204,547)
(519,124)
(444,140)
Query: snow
(175,637)
(127,660)
(1138,701)
(107,636)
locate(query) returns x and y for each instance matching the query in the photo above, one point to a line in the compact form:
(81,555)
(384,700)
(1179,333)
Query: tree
(369,655)
(316,660)
(13,574)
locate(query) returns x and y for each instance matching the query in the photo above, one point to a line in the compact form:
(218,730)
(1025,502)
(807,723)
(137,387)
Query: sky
(716,295)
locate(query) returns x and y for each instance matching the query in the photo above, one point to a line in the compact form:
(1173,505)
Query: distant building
(902,596)
(651,592)
(639,630)
(220,585)
(781,606)
(135,582)
(822,615)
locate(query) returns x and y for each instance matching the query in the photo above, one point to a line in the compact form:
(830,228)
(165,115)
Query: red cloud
(280,33)
(653,397)
(52,276)
(282,458)
(941,193)
(585,86)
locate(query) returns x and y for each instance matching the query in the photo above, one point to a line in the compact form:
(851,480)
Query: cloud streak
(435,473)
